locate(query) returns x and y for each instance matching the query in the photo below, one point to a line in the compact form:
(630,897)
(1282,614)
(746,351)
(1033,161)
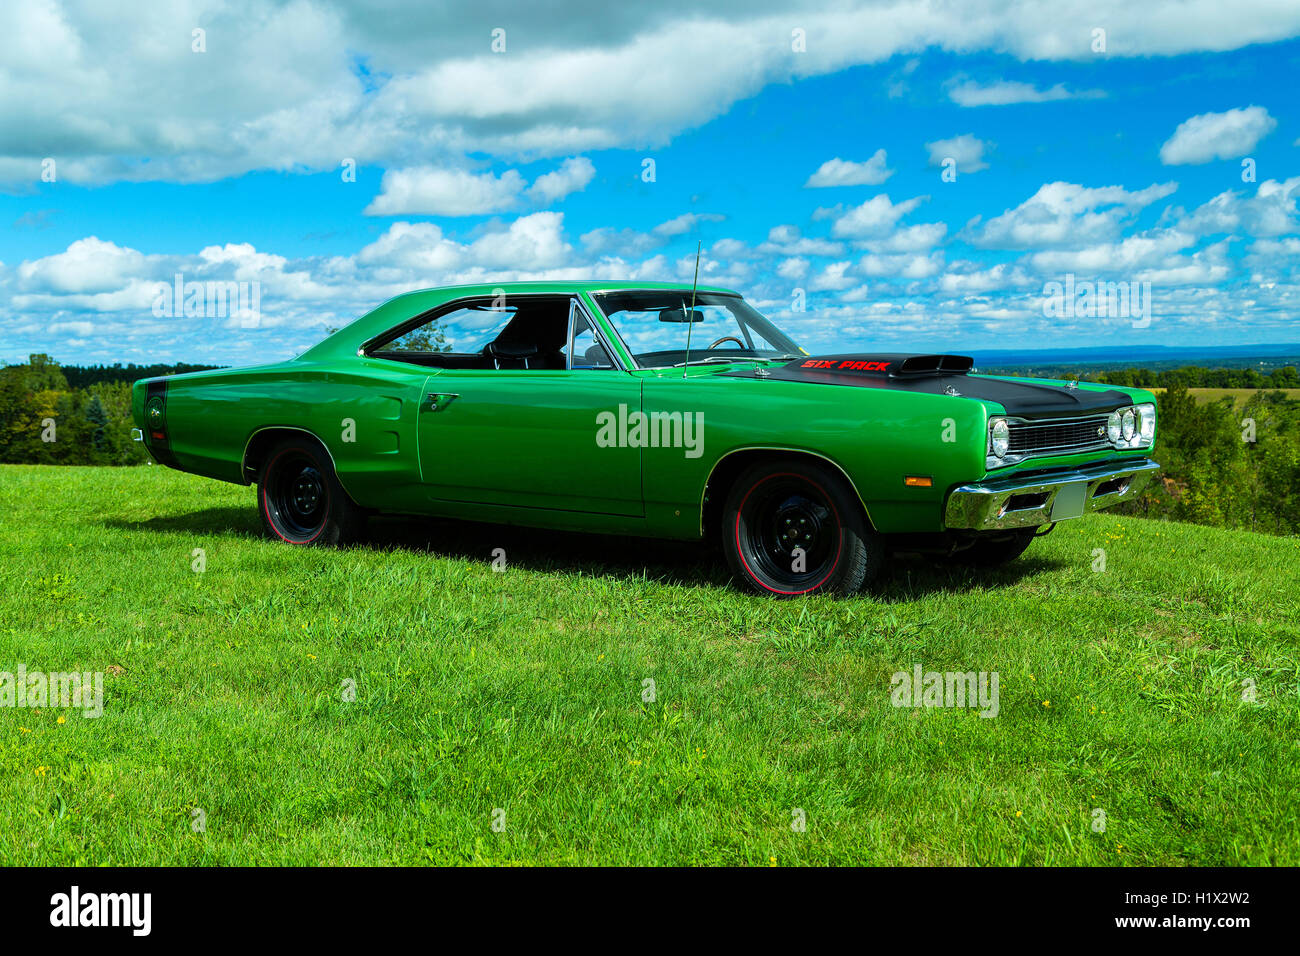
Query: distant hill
(1060,362)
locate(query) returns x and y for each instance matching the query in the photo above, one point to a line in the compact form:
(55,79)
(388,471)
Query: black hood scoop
(942,375)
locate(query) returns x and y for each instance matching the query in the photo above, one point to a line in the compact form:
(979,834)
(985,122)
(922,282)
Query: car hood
(943,375)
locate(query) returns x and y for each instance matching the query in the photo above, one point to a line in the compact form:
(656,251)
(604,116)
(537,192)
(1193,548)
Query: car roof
(561,285)
(410,304)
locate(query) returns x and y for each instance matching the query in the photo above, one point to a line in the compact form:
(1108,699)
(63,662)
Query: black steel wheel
(300,497)
(791,527)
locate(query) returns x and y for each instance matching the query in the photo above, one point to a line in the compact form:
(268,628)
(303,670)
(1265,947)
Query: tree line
(83,376)
(1196,377)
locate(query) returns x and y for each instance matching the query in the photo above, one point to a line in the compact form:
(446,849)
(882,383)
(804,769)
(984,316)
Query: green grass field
(522,691)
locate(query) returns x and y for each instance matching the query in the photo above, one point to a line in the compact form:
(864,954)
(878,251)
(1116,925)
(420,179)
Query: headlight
(1112,428)
(1132,427)
(999,438)
(1146,415)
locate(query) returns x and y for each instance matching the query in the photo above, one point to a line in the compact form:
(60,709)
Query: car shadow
(906,577)
(234,521)
(670,562)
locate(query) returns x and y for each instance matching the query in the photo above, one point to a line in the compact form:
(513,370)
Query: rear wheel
(790,527)
(300,497)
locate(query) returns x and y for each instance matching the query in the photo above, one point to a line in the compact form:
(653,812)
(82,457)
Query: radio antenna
(691,314)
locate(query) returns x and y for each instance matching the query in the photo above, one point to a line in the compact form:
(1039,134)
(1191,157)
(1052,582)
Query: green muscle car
(656,410)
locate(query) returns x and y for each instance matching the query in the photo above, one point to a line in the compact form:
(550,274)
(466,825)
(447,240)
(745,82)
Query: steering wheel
(727,338)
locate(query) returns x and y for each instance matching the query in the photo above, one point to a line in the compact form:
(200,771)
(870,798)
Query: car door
(527,437)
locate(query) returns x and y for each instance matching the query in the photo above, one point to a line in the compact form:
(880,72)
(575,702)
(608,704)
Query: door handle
(440,400)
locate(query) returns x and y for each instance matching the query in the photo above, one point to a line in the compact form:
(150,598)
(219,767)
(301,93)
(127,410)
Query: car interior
(535,337)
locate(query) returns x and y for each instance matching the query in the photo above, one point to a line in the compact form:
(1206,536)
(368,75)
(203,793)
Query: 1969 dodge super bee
(655,410)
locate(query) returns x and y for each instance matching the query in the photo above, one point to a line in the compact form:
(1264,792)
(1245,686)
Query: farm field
(1239,396)
(508,716)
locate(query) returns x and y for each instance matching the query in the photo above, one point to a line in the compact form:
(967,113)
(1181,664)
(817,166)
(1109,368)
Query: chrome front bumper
(1027,500)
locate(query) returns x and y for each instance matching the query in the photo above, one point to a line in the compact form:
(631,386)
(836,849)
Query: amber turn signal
(917,481)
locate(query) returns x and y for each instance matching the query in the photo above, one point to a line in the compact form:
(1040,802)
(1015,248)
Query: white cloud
(841,172)
(428,191)
(1270,212)
(529,243)
(610,241)
(679,225)
(729,249)
(1006,92)
(965,150)
(795,267)
(916,238)
(573,176)
(89,265)
(902,266)
(711,271)
(445,192)
(969,279)
(1061,214)
(785,240)
(302,85)
(413,247)
(897,84)
(832,277)
(1126,256)
(1206,267)
(874,218)
(1210,136)
(1271,254)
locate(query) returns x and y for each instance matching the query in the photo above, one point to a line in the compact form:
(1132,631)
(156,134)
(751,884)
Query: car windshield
(656,325)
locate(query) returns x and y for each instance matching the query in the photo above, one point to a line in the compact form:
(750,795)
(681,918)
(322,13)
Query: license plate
(1069,501)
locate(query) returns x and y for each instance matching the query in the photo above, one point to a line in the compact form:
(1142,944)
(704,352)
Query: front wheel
(791,527)
(300,497)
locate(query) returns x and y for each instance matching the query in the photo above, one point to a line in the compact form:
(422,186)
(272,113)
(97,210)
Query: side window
(585,348)
(534,332)
(465,330)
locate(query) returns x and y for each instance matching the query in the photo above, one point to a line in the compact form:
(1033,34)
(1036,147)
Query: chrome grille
(1060,436)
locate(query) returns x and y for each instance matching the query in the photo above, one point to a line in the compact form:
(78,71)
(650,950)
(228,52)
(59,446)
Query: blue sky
(801,144)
